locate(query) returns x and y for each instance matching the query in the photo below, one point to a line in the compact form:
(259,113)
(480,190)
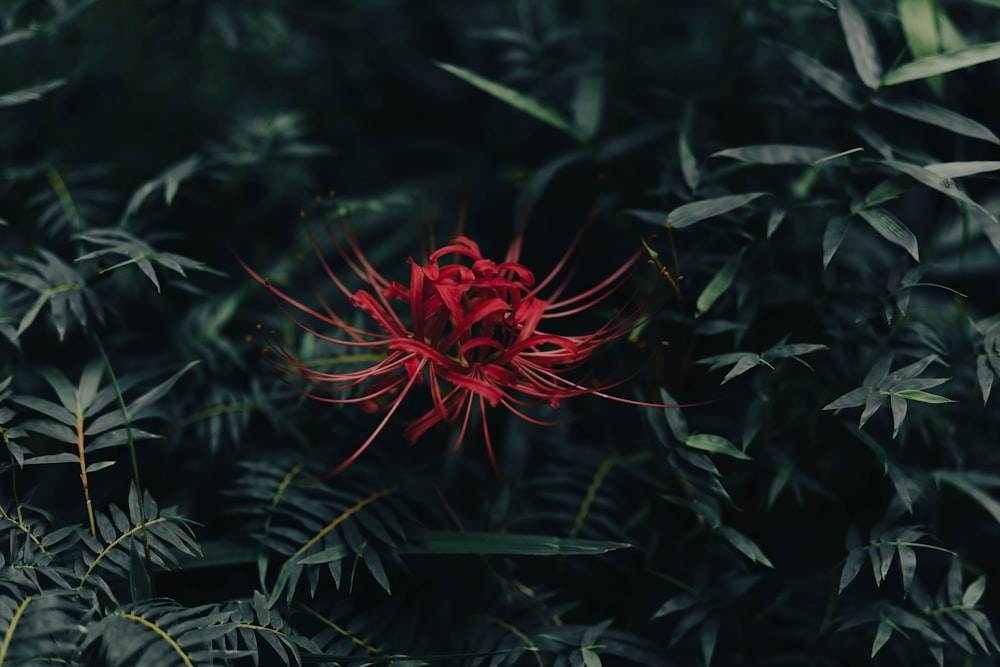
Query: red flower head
(467,330)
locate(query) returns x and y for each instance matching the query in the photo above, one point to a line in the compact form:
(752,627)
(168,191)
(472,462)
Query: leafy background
(815,183)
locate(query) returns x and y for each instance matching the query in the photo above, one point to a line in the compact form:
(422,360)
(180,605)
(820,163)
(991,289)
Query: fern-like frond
(36,627)
(159,633)
(162,535)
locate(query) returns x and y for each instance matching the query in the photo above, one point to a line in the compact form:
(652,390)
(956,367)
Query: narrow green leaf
(139,405)
(921,396)
(851,399)
(860,43)
(961,169)
(907,566)
(891,229)
(919,21)
(745,545)
(887,190)
(52,458)
(898,406)
(100,465)
(715,444)
(881,636)
(446,542)
(775,154)
(742,366)
(31,93)
(984,374)
(588,104)
(833,236)
(709,635)
(719,283)
(590,659)
(961,482)
(139,583)
(517,100)
(935,182)
(928,66)
(974,592)
(689,163)
(827,79)
(688,214)
(935,115)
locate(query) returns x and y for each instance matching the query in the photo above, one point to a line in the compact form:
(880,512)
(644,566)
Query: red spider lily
(469,330)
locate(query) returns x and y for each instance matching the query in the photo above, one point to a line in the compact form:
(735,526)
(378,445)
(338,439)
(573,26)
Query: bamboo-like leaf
(517,100)
(860,43)
(938,116)
(31,93)
(715,444)
(745,545)
(719,283)
(891,229)
(827,79)
(935,182)
(929,66)
(962,169)
(776,154)
(882,635)
(688,214)
(507,544)
(922,396)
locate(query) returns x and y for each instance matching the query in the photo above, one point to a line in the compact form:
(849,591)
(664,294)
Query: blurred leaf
(956,59)
(517,100)
(689,214)
(719,283)
(776,154)
(745,545)
(588,104)
(506,543)
(935,115)
(891,229)
(31,93)
(860,43)
(715,444)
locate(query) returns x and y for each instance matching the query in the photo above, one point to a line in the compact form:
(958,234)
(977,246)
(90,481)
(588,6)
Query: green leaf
(745,545)
(929,66)
(715,444)
(881,636)
(891,229)
(689,163)
(719,283)
(776,154)
(517,100)
(688,214)
(961,169)
(963,483)
(588,104)
(907,566)
(935,182)
(31,93)
(140,586)
(99,465)
(921,396)
(860,43)
(827,79)
(447,542)
(974,592)
(933,114)
(833,236)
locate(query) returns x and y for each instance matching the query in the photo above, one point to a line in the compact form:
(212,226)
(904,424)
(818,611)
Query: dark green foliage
(814,185)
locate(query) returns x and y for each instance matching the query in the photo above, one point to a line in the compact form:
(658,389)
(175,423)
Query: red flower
(466,329)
